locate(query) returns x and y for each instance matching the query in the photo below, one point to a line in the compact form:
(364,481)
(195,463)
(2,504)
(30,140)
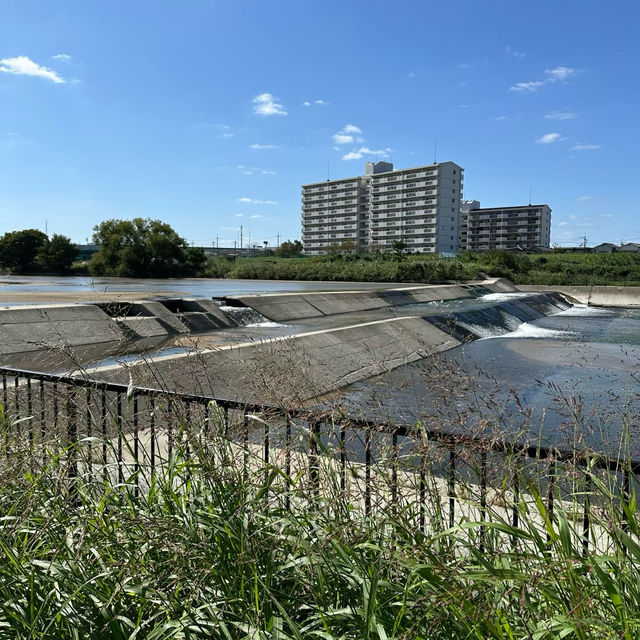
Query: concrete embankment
(58,337)
(597,296)
(294,368)
(285,307)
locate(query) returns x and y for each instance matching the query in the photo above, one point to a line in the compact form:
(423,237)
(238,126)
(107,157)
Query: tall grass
(208,549)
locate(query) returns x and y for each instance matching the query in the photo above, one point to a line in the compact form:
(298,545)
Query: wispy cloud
(257,145)
(320,103)
(347,135)
(239,215)
(226,134)
(527,87)
(365,151)
(499,118)
(246,200)
(561,74)
(266,105)
(562,224)
(24,66)
(512,52)
(607,215)
(249,171)
(549,138)
(584,198)
(561,115)
(411,75)
(585,147)
(557,74)
(255,216)
(64,57)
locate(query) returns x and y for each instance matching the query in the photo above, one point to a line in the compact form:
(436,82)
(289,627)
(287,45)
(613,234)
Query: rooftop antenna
(529,195)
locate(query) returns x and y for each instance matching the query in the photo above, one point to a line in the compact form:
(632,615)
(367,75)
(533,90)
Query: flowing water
(568,378)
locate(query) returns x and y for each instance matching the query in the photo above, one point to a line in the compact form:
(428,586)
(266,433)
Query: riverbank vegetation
(548,268)
(207,551)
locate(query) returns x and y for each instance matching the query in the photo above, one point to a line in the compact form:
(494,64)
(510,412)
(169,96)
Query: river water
(572,378)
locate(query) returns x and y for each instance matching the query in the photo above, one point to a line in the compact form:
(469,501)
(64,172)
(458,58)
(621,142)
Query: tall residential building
(419,206)
(522,227)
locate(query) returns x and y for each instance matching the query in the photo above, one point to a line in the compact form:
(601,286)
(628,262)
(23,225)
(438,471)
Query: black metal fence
(119,431)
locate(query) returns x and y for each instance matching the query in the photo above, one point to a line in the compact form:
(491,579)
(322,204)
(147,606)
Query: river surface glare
(572,378)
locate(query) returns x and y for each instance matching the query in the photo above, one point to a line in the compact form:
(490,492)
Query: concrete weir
(315,343)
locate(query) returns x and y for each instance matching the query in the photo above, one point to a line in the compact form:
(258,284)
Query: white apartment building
(418,206)
(505,228)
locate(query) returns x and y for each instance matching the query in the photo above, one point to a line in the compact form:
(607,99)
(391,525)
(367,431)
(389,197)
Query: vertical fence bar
(423,491)
(551,494)
(287,460)
(343,457)
(394,467)
(120,436)
(314,469)
(43,419)
(152,432)
(72,433)
(16,404)
(5,408)
(245,445)
(55,406)
(451,486)
(136,445)
(30,414)
(103,426)
(367,470)
(483,498)
(88,398)
(170,410)
(516,499)
(586,516)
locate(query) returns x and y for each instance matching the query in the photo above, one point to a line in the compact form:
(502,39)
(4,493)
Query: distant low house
(630,246)
(605,247)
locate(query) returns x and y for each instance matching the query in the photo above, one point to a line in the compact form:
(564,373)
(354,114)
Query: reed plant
(202,546)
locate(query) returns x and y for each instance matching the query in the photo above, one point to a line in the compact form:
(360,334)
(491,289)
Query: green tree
(289,249)
(57,254)
(19,249)
(138,248)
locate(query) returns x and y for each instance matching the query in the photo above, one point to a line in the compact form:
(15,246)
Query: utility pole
(240,239)
(278,242)
(217,246)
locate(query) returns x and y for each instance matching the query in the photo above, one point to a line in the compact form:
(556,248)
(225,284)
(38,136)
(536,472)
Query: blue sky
(210,115)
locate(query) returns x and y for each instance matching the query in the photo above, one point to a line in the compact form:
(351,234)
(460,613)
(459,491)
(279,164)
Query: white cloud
(362,151)
(266,105)
(607,215)
(527,87)
(322,103)
(239,215)
(306,103)
(267,172)
(256,216)
(351,128)
(584,198)
(464,66)
(254,201)
(585,147)
(23,66)
(226,134)
(346,135)
(257,145)
(561,73)
(342,138)
(562,224)
(549,138)
(499,118)
(512,52)
(561,115)
(65,57)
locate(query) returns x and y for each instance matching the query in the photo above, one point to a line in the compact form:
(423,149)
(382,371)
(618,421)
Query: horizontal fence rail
(125,433)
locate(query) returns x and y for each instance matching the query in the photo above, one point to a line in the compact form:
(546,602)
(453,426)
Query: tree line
(136,248)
